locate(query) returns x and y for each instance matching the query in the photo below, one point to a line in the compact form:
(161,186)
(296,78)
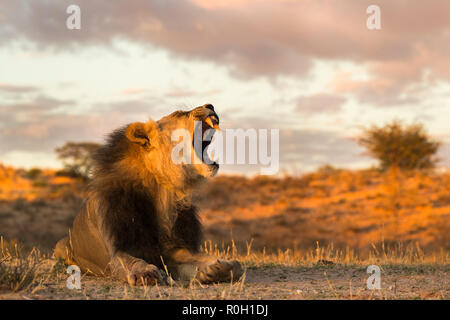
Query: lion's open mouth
(209,126)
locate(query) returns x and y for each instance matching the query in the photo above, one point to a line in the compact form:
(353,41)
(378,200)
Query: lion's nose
(209,106)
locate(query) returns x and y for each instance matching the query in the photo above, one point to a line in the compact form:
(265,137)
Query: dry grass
(411,255)
(20,272)
(322,273)
(347,208)
(308,237)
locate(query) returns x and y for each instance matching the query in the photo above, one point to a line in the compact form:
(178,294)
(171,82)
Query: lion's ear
(137,133)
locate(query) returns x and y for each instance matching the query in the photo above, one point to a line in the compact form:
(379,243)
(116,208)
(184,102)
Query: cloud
(146,104)
(40,132)
(41,122)
(319,103)
(308,149)
(301,148)
(386,90)
(50,131)
(252,39)
(177,92)
(259,38)
(30,111)
(16,88)
(37,104)
(315,148)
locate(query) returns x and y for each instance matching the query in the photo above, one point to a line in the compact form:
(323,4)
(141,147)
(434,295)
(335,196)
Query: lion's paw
(148,275)
(219,271)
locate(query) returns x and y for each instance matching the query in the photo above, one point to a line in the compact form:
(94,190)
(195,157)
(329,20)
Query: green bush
(77,158)
(399,145)
(33,173)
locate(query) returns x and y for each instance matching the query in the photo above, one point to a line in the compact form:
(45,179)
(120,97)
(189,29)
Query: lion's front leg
(135,271)
(206,269)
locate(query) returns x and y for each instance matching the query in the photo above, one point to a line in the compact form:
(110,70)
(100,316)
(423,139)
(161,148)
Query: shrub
(402,146)
(33,173)
(77,158)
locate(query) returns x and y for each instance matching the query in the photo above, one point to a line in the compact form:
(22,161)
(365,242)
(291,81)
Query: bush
(68,173)
(40,184)
(402,146)
(17,273)
(33,173)
(77,158)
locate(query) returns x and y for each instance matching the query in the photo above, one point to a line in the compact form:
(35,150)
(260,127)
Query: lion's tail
(63,250)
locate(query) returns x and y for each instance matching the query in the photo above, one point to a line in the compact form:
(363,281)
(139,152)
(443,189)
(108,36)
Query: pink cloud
(260,38)
(319,103)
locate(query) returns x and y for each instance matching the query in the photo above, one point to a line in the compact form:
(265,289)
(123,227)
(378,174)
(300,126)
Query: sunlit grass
(35,272)
(399,254)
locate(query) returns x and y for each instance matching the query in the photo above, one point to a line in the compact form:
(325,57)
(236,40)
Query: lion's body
(137,233)
(137,215)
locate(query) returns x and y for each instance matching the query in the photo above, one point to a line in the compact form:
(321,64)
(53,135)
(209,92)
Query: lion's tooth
(209,122)
(213,125)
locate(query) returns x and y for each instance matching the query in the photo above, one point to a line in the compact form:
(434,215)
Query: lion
(138,219)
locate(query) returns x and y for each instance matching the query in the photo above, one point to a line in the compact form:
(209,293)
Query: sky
(310,68)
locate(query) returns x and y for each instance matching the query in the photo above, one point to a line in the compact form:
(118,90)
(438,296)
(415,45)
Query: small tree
(33,173)
(401,146)
(77,158)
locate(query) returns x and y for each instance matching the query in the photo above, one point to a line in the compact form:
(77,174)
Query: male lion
(137,218)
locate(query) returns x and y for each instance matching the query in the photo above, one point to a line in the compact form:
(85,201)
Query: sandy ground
(355,210)
(266,282)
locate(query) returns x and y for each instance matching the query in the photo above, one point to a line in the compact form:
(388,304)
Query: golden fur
(138,211)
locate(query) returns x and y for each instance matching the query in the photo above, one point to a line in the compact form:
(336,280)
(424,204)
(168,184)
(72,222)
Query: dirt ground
(354,213)
(348,209)
(265,282)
